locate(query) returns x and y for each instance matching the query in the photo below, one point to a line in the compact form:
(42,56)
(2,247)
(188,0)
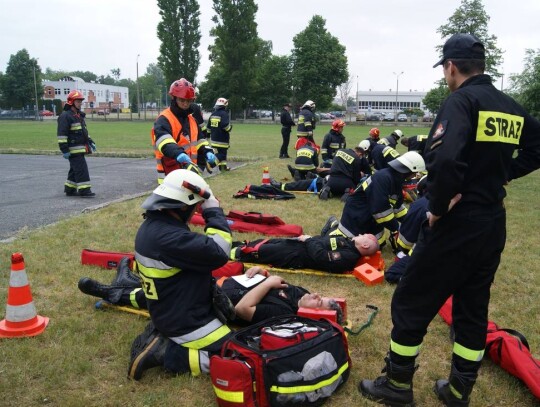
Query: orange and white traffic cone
(266,176)
(21,315)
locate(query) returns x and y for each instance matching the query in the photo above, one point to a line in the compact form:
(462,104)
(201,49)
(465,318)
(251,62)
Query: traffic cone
(266,176)
(21,316)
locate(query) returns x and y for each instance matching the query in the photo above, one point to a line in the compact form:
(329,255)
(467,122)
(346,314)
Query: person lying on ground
(332,254)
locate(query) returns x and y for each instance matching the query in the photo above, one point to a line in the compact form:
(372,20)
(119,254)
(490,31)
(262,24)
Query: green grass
(82,357)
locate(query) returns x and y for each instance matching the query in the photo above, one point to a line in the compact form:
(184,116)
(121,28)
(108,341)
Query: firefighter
(306,121)
(175,266)
(220,129)
(332,142)
(377,203)
(470,157)
(75,143)
(286,123)
(373,137)
(415,143)
(381,155)
(332,254)
(176,136)
(392,139)
(306,161)
(349,166)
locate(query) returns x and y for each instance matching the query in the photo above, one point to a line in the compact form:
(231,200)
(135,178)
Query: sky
(388,43)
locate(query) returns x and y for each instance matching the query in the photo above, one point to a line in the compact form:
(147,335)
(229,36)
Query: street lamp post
(357,106)
(35,91)
(138,100)
(397,91)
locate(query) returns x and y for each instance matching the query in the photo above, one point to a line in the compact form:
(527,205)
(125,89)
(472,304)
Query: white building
(389,101)
(97,96)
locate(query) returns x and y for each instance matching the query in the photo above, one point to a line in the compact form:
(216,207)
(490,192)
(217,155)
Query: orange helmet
(338,124)
(182,89)
(73,96)
(374,132)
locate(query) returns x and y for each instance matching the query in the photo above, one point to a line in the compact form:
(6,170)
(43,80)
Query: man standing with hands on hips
(469,158)
(286,123)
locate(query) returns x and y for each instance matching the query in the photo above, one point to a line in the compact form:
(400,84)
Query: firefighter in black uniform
(349,166)
(373,137)
(333,254)
(175,266)
(392,139)
(381,155)
(177,139)
(333,141)
(377,203)
(75,143)
(306,121)
(286,123)
(469,155)
(415,143)
(220,132)
(307,159)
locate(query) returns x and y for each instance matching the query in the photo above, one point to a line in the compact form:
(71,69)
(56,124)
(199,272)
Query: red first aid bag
(282,335)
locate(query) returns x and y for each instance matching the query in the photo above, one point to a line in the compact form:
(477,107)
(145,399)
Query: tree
(115,73)
(525,87)
(17,85)
(180,37)
(434,98)
(134,105)
(235,49)
(273,82)
(344,90)
(470,17)
(319,64)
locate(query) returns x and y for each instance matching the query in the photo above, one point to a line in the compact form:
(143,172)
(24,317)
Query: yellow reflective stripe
(209,339)
(468,354)
(77,150)
(75,126)
(230,396)
(166,140)
(403,350)
(228,128)
(497,127)
(312,387)
(333,243)
(225,235)
(193,356)
(152,272)
(402,211)
(386,218)
(133,298)
(219,144)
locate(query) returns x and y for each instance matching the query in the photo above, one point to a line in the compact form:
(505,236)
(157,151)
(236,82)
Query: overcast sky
(382,38)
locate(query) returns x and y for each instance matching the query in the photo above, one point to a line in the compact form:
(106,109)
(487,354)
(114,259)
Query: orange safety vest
(165,165)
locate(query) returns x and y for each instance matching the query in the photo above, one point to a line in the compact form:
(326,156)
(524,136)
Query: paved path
(32,188)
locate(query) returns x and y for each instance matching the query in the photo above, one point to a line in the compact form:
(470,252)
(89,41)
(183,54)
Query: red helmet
(182,89)
(73,96)
(338,124)
(374,132)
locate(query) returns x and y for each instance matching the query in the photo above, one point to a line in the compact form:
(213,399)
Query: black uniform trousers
(286,136)
(78,176)
(458,256)
(338,184)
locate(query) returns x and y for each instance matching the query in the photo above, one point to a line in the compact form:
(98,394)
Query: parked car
(389,117)
(427,118)
(402,117)
(46,113)
(337,114)
(102,112)
(374,117)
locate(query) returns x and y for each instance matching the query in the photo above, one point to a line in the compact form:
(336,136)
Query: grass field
(82,357)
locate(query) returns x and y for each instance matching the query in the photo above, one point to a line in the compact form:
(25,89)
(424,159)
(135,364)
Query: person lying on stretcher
(333,254)
(256,295)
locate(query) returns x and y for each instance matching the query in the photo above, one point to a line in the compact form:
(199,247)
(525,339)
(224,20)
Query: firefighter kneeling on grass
(175,266)
(177,139)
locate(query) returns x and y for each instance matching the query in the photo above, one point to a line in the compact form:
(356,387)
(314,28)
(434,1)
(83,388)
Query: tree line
(245,70)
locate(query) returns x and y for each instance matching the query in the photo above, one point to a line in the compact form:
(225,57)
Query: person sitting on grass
(332,254)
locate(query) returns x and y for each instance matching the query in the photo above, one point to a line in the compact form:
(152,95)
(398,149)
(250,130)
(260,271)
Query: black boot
(275,183)
(70,191)
(394,389)
(107,292)
(291,170)
(124,276)
(147,351)
(456,390)
(86,193)
(330,225)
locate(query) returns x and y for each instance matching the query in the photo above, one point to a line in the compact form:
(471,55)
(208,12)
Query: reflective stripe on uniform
(204,336)
(193,357)
(384,216)
(133,297)
(219,144)
(154,268)
(468,354)
(403,350)
(401,211)
(223,239)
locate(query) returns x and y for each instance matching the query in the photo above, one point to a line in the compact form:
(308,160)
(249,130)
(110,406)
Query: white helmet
(408,162)
(398,133)
(364,145)
(172,194)
(310,104)
(222,102)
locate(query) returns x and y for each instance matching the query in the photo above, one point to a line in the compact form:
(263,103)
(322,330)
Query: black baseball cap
(462,46)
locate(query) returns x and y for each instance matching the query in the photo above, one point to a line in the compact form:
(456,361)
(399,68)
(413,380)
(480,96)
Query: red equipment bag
(110,260)
(306,372)
(254,222)
(282,335)
(509,349)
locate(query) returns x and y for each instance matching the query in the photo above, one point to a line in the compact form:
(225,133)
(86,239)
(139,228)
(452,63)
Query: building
(389,101)
(98,97)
